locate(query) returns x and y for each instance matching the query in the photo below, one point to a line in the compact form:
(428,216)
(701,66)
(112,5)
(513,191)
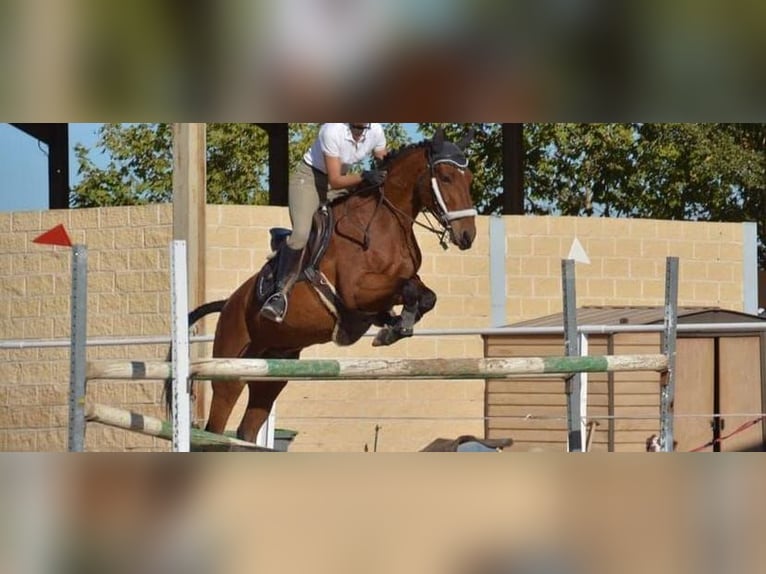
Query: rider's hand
(374,177)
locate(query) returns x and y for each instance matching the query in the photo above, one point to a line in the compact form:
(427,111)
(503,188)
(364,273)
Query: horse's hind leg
(231,340)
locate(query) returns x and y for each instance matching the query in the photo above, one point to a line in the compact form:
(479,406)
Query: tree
(140,168)
(140,163)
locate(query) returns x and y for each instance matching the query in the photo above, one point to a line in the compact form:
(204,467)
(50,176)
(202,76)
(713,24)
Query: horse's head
(450,193)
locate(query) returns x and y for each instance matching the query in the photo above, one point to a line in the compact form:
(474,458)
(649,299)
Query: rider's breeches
(304,196)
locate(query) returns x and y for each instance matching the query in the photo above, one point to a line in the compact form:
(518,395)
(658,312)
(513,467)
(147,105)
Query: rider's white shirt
(336,140)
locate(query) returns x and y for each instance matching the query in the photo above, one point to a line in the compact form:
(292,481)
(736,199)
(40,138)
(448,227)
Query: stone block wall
(129,296)
(627,262)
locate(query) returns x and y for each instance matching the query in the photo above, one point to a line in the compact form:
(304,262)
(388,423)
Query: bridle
(443,214)
(439,209)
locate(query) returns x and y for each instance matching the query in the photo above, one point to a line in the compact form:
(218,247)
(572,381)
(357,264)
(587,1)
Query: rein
(366,239)
(441,233)
(366,230)
(445,216)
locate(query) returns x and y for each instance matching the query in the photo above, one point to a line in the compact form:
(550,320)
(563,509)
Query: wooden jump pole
(152,426)
(358,369)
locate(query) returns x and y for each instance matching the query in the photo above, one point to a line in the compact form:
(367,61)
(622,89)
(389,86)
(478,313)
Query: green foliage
(396,135)
(237,164)
(301,138)
(140,168)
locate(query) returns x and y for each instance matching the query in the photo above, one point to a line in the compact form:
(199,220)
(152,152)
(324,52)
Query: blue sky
(24,165)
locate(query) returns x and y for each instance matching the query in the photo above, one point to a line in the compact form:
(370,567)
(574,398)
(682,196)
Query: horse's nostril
(464,240)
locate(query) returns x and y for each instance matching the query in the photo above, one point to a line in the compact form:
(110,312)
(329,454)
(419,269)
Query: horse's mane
(395,154)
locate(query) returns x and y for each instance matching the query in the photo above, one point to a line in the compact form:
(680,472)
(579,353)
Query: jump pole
(377,368)
(151,426)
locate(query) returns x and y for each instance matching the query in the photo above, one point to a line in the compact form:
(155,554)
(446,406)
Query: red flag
(55,236)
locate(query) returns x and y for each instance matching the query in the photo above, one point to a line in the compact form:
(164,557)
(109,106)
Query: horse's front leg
(260,401)
(417,300)
(261,398)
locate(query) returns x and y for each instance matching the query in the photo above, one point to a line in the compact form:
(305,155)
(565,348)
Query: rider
(322,175)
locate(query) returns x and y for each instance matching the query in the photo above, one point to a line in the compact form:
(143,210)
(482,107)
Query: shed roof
(642,315)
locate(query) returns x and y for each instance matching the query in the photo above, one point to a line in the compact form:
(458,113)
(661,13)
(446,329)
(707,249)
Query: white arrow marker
(577,252)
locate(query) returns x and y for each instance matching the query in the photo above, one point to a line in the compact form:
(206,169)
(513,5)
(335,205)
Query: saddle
(349,325)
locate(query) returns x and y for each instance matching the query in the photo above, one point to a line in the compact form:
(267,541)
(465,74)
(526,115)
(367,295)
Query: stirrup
(275,307)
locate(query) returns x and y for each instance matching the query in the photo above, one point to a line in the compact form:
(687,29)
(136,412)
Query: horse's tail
(204,310)
(194,316)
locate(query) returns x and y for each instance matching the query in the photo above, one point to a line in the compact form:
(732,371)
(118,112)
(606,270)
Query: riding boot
(288,268)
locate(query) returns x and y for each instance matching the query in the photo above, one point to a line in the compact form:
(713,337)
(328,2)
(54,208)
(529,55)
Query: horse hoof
(385,337)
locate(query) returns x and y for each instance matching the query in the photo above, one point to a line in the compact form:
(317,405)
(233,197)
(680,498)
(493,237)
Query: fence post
(573,384)
(77,349)
(668,378)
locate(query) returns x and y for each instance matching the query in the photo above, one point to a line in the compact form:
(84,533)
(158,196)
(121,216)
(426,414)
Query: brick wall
(627,262)
(129,296)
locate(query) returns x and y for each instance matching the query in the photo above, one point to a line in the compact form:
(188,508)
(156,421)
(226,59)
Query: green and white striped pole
(376,369)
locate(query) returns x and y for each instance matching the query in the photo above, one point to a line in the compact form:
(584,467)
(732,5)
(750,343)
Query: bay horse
(366,265)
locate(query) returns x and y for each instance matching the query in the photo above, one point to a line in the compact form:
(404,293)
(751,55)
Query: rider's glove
(374,177)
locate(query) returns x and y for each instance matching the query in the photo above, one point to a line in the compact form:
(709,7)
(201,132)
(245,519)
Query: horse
(362,261)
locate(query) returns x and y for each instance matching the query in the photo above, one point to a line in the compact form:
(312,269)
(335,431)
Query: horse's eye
(445,178)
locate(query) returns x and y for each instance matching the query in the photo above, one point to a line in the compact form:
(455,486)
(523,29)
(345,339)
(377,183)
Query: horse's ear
(438,138)
(466,139)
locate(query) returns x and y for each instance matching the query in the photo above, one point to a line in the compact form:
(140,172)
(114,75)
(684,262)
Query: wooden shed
(721,373)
